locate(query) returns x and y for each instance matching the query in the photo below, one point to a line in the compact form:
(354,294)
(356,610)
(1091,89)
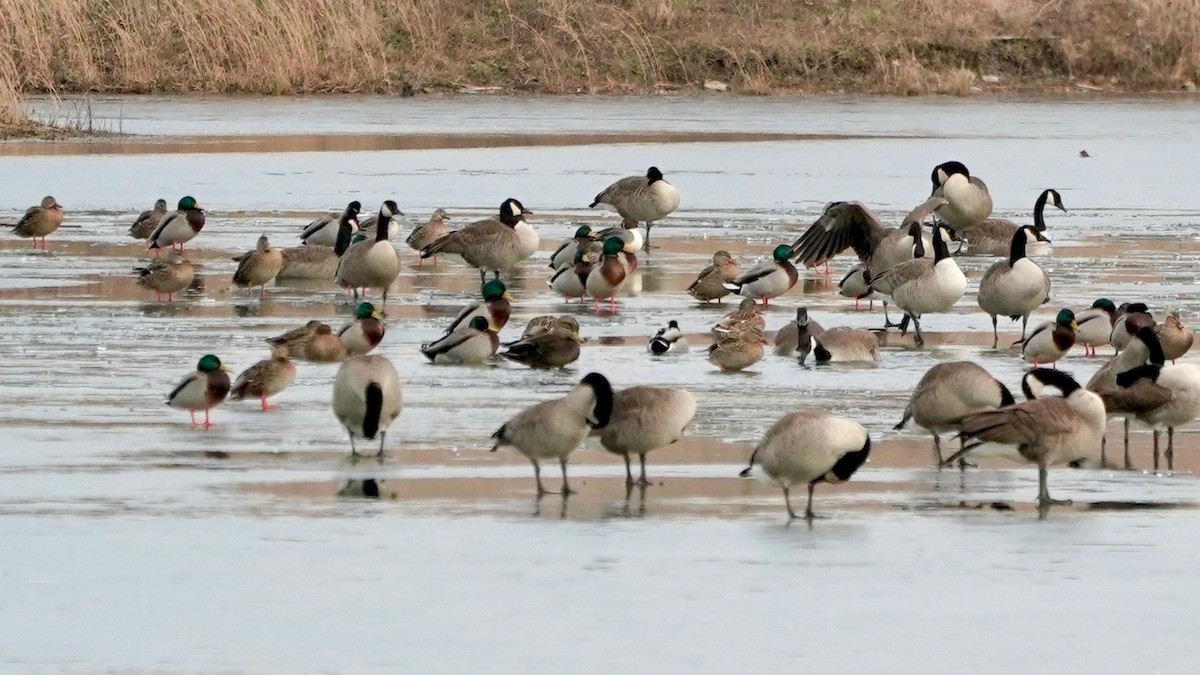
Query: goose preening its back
(923,286)
(1014,287)
(554,429)
(643,419)
(1135,354)
(968,203)
(994,234)
(367,397)
(642,199)
(324,230)
(669,340)
(810,447)
(947,394)
(319,256)
(1045,431)
(492,244)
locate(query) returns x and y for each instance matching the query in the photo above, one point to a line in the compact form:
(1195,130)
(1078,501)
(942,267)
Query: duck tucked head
(188,203)
(781,253)
(1066,318)
(603,392)
(209,363)
(653,174)
(495,290)
(1105,304)
(479,323)
(365,310)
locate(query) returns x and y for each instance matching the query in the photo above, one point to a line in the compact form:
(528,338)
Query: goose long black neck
(1153,346)
(914,231)
(381,226)
(1039,209)
(1055,378)
(344,235)
(940,250)
(1016,250)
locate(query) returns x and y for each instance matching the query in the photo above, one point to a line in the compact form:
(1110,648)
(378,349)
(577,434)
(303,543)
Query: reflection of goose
(1014,287)
(947,394)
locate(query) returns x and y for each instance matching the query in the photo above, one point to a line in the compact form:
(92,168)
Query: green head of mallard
(365,310)
(1066,318)
(495,290)
(781,253)
(1105,304)
(480,323)
(583,232)
(613,245)
(209,363)
(188,204)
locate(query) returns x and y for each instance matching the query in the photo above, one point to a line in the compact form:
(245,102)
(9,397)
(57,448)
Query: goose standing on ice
(1014,287)
(968,203)
(947,394)
(643,199)
(492,244)
(644,419)
(923,286)
(370,262)
(367,396)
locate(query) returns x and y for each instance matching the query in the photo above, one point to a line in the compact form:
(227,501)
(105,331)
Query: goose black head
(1049,377)
(653,174)
(512,211)
(801,316)
(603,392)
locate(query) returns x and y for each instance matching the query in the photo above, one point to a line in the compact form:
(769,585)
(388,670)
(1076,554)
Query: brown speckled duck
(710,284)
(167,276)
(40,221)
(553,348)
(424,235)
(258,267)
(147,221)
(265,378)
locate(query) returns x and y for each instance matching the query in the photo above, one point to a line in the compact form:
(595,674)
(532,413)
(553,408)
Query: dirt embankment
(903,47)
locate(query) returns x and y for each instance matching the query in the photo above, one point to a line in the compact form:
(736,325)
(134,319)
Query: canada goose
(1136,353)
(923,286)
(568,251)
(1095,325)
(40,221)
(258,267)
(947,394)
(472,344)
(570,281)
(811,446)
(1157,395)
(424,235)
(369,263)
(324,230)
(265,378)
(852,225)
(1175,337)
(841,345)
(554,429)
(369,223)
(789,338)
(643,419)
(1051,340)
(365,332)
(669,340)
(167,276)
(642,199)
(178,227)
(995,234)
(147,221)
(710,283)
(968,203)
(323,346)
(738,348)
(857,284)
(554,348)
(496,307)
(747,314)
(769,279)
(367,396)
(1130,318)
(203,389)
(294,341)
(308,262)
(1014,287)
(1046,430)
(607,276)
(496,243)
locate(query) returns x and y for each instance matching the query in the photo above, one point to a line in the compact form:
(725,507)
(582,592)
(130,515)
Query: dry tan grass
(901,47)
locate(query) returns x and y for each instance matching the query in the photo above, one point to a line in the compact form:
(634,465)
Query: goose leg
(642,479)
(1156,434)
(646,244)
(808,512)
(482,276)
(382,434)
(904,324)
(1044,491)
(566,488)
(1128,464)
(1170,448)
(962,456)
(1104,447)
(628,473)
(537,477)
(937,450)
(887,320)
(996,335)
(917,338)
(787,501)
(353,450)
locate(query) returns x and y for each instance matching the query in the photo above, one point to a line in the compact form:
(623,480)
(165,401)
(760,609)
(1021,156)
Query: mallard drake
(710,283)
(923,286)
(841,345)
(1095,325)
(472,344)
(147,221)
(496,243)
(1014,287)
(810,447)
(369,263)
(293,342)
(968,203)
(1157,395)
(669,340)
(1130,318)
(1050,341)
(324,230)
(258,267)
(570,281)
(607,276)
(496,307)
(367,397)
(365,332)
(423,235)
(737,349)
(40,221)
(554,348)
(1176,338)
(767,280)
(642,199)
(644,419)
(628,232)
(995,234)
(1046,430)
(947,394)
(167,276)
(204,389)
(178,227)
(554,429)
(568,251)
(323,346)
(793,334)
(265,378)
